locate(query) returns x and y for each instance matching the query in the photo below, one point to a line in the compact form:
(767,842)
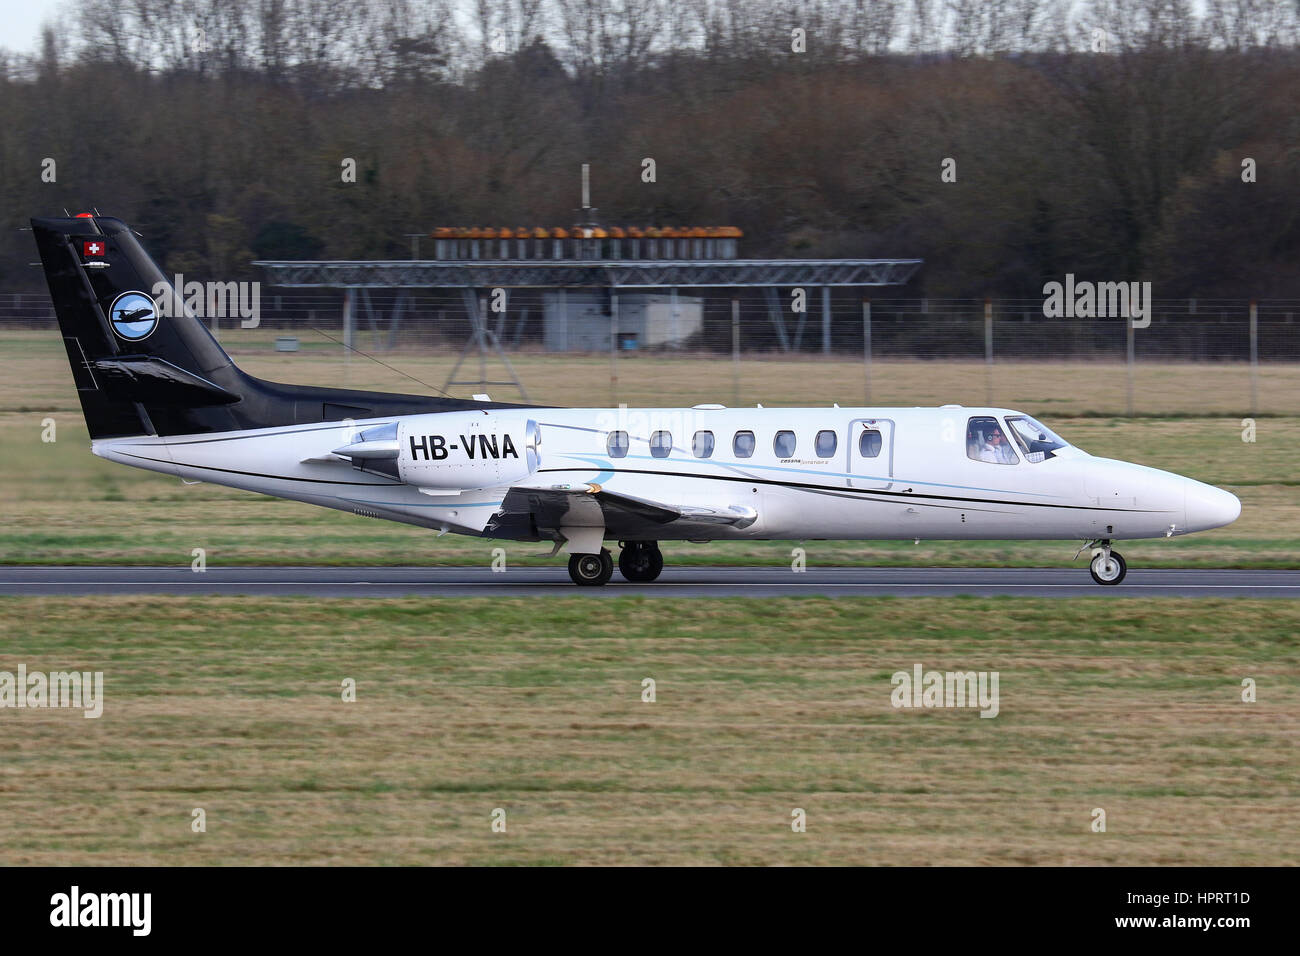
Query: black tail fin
(144,365)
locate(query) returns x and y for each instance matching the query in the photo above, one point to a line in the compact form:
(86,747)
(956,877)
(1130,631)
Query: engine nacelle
(465,451)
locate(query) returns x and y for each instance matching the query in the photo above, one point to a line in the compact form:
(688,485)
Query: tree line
(1006,142)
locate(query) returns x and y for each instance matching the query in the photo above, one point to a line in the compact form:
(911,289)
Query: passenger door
(870,453)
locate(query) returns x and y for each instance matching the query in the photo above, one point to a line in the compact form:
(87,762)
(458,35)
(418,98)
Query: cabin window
(826,442)
(986,441)
(870,443)
(661,443)
(743,444)
(702,444)
(783,444)
(617,444)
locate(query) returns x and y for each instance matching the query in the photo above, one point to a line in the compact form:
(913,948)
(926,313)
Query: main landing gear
(1107,567)
(591,570)
(639,562)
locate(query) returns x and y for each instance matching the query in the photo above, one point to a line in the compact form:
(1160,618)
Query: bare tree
(873,24)
(602,34)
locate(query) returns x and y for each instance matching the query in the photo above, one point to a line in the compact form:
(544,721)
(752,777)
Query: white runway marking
(682,581)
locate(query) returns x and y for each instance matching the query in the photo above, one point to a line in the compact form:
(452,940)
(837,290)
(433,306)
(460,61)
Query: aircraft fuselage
(795,473)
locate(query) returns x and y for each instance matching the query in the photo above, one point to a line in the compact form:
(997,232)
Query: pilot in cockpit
(995,448)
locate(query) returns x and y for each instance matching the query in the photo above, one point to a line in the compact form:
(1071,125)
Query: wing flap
(590,504)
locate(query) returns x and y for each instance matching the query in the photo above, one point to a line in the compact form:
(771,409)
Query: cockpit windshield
(1035,439)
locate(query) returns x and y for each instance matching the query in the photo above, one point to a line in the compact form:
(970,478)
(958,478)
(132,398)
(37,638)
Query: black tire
(641,562)
(591,570)
(1110,574)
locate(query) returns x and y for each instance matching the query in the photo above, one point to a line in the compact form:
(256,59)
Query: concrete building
(580,321)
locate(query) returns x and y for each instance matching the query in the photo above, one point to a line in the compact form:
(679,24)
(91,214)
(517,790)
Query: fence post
(564,321)
(349,320)
(1254,358)
(676,333)
(613,349)
(988,351)
(482,340)
(826,320)
(866,347)
(735,352)
(1129,363)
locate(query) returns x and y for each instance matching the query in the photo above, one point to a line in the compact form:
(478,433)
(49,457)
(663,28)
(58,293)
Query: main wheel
(1108,570)
(591,570)
(640,561)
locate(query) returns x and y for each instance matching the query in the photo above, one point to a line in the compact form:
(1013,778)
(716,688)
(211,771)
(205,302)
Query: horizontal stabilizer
(148,378)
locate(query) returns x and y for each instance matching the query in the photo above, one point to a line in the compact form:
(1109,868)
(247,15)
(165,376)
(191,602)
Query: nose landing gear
(1107,567)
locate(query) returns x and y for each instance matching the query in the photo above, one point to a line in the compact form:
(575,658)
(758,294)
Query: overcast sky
(22,21)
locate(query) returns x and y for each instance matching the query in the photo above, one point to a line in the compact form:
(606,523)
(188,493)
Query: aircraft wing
(552,507)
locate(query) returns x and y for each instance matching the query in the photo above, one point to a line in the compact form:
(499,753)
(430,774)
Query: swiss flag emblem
(92,247)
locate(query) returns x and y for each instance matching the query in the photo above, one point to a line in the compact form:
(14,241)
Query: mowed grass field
(464,706)
(234,706)
(63,506)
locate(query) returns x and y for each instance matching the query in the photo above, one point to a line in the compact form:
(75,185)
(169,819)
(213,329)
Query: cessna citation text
(158,392)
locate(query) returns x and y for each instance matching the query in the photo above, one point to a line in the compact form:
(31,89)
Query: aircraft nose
(1209,507)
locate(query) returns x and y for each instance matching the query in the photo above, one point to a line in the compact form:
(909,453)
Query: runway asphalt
(675,582)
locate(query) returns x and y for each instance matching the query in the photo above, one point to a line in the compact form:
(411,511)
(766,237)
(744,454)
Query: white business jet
(159,393)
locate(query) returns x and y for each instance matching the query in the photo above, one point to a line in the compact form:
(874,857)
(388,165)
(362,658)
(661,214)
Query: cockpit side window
(1037,441)
(986,441)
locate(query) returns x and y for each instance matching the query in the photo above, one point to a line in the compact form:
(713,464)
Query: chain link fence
(1220,356)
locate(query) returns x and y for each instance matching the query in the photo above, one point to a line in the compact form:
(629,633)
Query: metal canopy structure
(474,276)
(576,274)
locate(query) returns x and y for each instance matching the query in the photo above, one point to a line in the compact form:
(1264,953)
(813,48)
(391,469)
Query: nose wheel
(1108,567)
(591,570)
(640,561)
